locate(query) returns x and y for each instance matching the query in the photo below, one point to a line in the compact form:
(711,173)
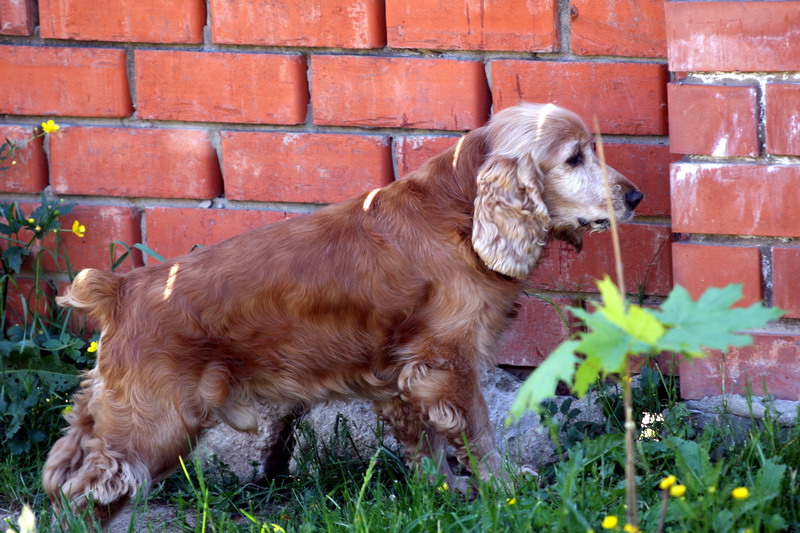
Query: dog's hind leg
(118,442)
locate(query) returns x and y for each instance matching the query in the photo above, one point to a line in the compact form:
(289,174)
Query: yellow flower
(37,228)
(31,220)
(630,528)
(50,126)
(26,523)
(609,522)
(78,229)
(277,529)
(667,482)
(92,347)
(677,491)
(67,410)
(740,493)
(511,501)
(443,487)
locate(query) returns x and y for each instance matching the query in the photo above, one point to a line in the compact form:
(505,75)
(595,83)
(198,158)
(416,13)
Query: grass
(342,491)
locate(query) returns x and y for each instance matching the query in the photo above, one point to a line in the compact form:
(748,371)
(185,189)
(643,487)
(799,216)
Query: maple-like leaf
(559,366)
(710,322)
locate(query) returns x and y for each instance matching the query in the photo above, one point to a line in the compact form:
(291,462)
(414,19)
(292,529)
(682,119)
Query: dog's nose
(633,198)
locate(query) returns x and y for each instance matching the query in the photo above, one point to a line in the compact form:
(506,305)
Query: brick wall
(188,121)
(734,116)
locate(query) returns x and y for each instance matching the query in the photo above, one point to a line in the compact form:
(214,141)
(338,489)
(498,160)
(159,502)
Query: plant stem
(627,396)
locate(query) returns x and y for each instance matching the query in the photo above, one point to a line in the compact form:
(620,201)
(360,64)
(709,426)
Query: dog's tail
(95,291)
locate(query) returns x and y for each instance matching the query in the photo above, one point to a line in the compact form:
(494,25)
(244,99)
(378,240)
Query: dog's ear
(510,221)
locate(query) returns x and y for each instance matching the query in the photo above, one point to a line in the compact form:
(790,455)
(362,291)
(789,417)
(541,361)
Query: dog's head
(541,178)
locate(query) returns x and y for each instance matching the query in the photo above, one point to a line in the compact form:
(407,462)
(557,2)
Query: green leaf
(613,307)
(541,384)
(642,325)
(710,322)
(694,465)
(606,343)
(587,373)
(13,255)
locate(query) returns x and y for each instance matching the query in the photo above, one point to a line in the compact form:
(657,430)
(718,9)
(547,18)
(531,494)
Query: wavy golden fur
(397,296)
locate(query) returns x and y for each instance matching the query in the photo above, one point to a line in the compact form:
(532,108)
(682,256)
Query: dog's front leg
(448,399)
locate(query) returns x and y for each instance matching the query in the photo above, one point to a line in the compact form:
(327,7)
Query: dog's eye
(576,159)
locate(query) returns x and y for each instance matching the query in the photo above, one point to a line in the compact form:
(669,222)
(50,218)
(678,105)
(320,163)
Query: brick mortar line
(307,127)
(766,274)
(387,52)
(752,241)
(768,159)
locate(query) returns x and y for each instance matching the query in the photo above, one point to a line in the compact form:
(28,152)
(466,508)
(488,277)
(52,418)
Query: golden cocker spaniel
(397,296)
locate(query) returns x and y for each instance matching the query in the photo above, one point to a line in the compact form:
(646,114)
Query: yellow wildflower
(67,410)
(78,229)
(511,501)
(50,126)
(37,229)
(667,482)
(277,529)
(740,493)
(610,522)
(629,528)
(31,220)
(26,523)
(92,347)
(677,491)
(443,487)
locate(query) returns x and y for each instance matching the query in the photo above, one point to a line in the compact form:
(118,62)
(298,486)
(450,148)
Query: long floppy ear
(510,222)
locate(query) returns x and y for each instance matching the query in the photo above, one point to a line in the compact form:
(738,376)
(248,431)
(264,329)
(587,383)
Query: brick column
(734,115)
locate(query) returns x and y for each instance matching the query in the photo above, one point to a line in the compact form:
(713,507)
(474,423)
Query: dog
(397,296)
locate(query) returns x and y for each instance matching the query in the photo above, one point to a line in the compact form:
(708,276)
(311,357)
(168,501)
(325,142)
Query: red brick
(151,21)
(733,36)
(736,199)
(411,152)
(257,88)
(771,359)
(18,17)
(173,231)
(783,118)
(154,163)
(647,165)
(400,92)
(624,28)
(645,255)
(83,82)
(305,167)
(628,98)
(785,280)
(697,267)
(713,120)
(29,174)
(309,23)
(535,333)
(104,225)
(473,25)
